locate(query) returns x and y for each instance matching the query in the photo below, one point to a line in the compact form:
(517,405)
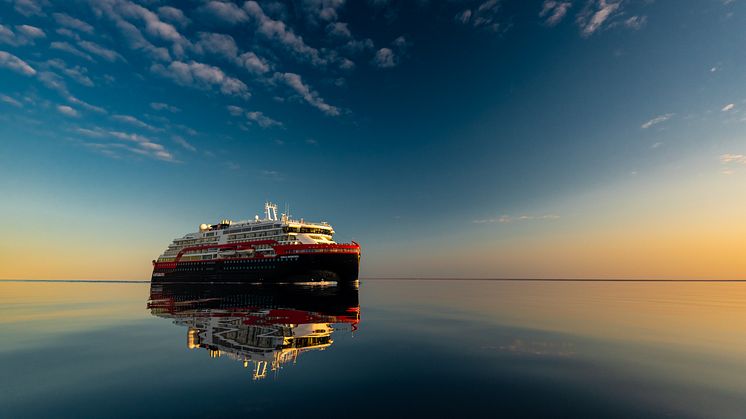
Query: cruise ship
(265,327)
(270,249)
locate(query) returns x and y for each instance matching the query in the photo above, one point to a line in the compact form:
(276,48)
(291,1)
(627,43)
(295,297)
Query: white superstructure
(281,230)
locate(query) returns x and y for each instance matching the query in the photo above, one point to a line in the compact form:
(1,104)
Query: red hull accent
(280,250)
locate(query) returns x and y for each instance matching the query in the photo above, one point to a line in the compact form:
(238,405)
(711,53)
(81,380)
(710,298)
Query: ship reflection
(263,326)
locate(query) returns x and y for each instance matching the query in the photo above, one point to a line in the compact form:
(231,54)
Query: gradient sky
(450,138)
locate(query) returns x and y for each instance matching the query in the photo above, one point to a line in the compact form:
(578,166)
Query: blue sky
(418,128)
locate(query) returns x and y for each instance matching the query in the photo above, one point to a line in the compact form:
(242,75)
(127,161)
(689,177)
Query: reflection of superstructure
(263,250)
(264,327)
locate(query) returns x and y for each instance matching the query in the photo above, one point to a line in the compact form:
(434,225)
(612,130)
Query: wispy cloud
(728,107)
(295,82)
(131,120)
(10,101)
(183,143)
(391,57)
(77,73)
(504,219)
(134,143)
(13,63)
(657,120)
(23,35)
(72,23)
(318,11)
(385,58)
(67,111)
(159,106)
(262,120)
(635,22)
(30,7)
(277,30)
(729,161)
(224,12)
(65,46)
(486,15)
(224,46)
(554,11)
(98,50)
(732,158)
(202,76)
(173,15)
(595,14)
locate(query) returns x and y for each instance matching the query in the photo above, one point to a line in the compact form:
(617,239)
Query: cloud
(338,30)
(554,11)
(202,76)
(120,10)
(72,23)
(504,219)
(66,47)
(635,22)
(253,63)
(732,158)
(11,62)
(593,17)
(271,174)
(224,12)
(728,107)
(657,120)
(77,73)
(235,110)
(262,120)
(385,58)
(134,122)
(277,30)
(225,46)
(388,57)
(486,15)
(295,82)
(184,143)
(67,111)
(144,145)
(98,50)
(72,99)
(31,32)
(217,44)
(154,26)
(158,106)
(23,35)
(173,15)
(317,11)
(30,7)
(10,101)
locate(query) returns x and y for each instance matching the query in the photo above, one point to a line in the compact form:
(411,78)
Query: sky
(490,139)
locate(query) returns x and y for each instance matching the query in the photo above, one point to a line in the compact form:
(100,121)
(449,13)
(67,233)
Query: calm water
(415,348)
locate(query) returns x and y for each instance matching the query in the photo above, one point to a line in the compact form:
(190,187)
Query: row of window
(252,228)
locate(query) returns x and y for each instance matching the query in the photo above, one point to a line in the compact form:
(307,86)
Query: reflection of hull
(333,304)
(340,267)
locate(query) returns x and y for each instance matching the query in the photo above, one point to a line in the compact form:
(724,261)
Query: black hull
(339,267)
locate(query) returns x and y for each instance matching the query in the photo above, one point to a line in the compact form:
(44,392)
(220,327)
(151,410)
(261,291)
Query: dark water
(391,348)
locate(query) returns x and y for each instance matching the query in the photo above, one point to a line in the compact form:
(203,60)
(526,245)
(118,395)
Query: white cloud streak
(202,76)
(554,11)
(595,14)
(13,63)
(657,120)
(312,97)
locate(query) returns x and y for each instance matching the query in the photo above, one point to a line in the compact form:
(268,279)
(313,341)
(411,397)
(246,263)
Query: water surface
(415,348)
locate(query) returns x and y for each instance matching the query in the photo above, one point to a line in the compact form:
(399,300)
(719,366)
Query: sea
(381,348)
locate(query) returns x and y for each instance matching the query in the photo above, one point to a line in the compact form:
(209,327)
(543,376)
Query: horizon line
(139,281)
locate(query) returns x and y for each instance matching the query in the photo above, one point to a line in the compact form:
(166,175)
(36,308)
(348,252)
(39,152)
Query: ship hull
(339,267)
